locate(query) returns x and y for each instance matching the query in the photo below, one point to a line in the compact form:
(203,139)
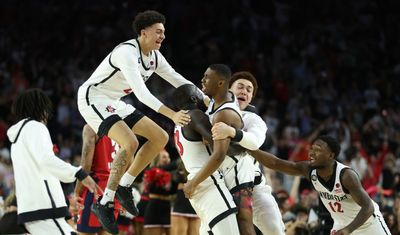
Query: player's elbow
(370,208)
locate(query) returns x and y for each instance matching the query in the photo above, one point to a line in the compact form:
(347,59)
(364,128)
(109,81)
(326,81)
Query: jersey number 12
(336,207)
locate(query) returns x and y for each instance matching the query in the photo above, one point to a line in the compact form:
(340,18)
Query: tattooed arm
(89,138)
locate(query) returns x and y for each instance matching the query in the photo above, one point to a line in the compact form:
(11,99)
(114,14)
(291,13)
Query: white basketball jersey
(125,70)
(341,206)
(194,154)
(228,164)
(231,104)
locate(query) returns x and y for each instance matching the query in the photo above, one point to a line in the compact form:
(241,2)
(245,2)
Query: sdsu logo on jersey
(152,65)
(110,109)
(338,189)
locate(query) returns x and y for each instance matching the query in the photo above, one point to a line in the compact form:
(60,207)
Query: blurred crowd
(324,67)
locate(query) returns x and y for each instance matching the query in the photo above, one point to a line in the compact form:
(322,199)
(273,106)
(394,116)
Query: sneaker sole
(94,211)
(136,211)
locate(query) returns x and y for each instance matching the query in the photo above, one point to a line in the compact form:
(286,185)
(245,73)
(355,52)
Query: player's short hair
(223,70)
(33,103)
(332,143)
(247,76)
(188,97)
(146,19)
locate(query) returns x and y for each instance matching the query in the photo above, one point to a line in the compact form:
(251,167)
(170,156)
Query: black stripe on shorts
(106,124)
(133,118)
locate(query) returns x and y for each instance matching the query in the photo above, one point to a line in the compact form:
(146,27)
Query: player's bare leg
(128,143)
(156,137)
(104,208)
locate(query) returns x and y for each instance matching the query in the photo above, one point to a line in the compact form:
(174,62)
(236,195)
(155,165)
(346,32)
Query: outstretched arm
(124,59)
(271,161)
(352,183)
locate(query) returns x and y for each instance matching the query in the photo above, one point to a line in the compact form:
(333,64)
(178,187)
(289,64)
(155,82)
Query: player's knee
(164,138)
(130,145)
(160,138)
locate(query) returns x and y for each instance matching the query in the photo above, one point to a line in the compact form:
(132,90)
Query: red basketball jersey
(103,156)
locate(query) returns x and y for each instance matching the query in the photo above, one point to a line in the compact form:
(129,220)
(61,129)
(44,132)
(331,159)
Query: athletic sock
(127,180)
(108,196)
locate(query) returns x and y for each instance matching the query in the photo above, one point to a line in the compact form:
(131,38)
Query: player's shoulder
(230,116)
(251,109)
(35,125)
(130,46)
(227,112)
(348,172)
(349,178)
(132,43)
(252,115)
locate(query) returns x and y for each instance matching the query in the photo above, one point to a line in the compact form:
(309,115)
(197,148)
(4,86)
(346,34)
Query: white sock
(108,196)
(127,180)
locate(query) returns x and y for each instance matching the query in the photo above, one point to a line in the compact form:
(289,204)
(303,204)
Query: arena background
(323,67)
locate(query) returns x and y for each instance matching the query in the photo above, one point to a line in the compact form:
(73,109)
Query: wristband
(81,174)
(238,135)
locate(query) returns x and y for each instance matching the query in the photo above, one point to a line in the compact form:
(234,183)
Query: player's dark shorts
(157,214)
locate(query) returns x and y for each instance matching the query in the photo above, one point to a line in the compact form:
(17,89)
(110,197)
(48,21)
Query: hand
(89,183)
(342,232)
(181,118)
(222,131)
(189,189)
(75,204)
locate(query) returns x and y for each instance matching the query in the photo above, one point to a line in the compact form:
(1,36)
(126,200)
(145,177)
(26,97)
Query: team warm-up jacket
(38,172)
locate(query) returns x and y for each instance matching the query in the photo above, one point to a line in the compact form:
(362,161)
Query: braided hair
(33,103)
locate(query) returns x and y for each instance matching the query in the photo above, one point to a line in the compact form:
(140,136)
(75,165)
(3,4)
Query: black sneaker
(105,214)
(125,198)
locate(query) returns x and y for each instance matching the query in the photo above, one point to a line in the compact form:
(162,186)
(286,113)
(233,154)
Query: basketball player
(211,200)
(222,108)
(265,214)
(37,170)
(338,186)
(97,156)
(125,70)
